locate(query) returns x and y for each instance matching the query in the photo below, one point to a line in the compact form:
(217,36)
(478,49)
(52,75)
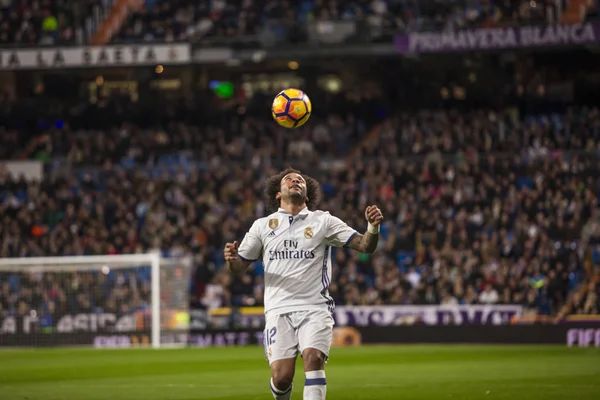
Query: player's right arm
(239,257)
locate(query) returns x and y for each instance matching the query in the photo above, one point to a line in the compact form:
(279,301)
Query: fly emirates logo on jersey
(291,251)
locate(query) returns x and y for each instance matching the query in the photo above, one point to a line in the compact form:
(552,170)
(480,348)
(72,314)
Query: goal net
(101,301)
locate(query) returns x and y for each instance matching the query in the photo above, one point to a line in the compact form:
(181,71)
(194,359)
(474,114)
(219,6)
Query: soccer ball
(291,108)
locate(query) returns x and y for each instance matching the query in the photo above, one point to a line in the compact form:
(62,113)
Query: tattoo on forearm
(237,266)
(366,243)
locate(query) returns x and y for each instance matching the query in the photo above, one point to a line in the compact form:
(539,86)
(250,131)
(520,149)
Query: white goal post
(78,300)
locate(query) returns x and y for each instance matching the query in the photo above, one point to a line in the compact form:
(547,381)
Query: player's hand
(373,215)
(231,251)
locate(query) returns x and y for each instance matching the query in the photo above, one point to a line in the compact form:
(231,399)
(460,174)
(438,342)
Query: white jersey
(296,254)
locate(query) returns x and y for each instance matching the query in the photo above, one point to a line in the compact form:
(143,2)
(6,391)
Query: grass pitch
(368,372)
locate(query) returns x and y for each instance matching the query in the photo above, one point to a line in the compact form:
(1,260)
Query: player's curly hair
(313,190)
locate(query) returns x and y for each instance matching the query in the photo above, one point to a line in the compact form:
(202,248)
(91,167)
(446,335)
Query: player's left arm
(341,235)
(367,242)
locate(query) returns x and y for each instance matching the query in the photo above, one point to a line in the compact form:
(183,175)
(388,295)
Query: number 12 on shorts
(270,336)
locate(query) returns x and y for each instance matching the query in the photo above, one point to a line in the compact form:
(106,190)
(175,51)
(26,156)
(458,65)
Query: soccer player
(294,243)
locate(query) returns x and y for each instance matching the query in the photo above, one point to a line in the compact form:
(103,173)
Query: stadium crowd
(48,22)
(62,22)
(183,19)
(481,207)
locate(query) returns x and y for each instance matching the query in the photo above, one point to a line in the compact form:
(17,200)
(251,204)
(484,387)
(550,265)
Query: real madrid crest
(273,223)
(308,233)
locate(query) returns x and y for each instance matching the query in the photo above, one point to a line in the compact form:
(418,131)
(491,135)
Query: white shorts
(287,335)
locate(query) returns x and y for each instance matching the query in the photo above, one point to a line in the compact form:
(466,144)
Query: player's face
(293,185)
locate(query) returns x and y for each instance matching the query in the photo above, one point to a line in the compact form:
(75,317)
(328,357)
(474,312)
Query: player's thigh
(280,339)
(316,332)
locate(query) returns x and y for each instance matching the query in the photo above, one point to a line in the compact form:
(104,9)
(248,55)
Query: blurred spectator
(489,295)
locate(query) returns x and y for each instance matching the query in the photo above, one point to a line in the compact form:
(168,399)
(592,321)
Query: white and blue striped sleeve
(251,247)
(339,234)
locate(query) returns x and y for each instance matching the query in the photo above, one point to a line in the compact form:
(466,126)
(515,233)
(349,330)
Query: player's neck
(292,208)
